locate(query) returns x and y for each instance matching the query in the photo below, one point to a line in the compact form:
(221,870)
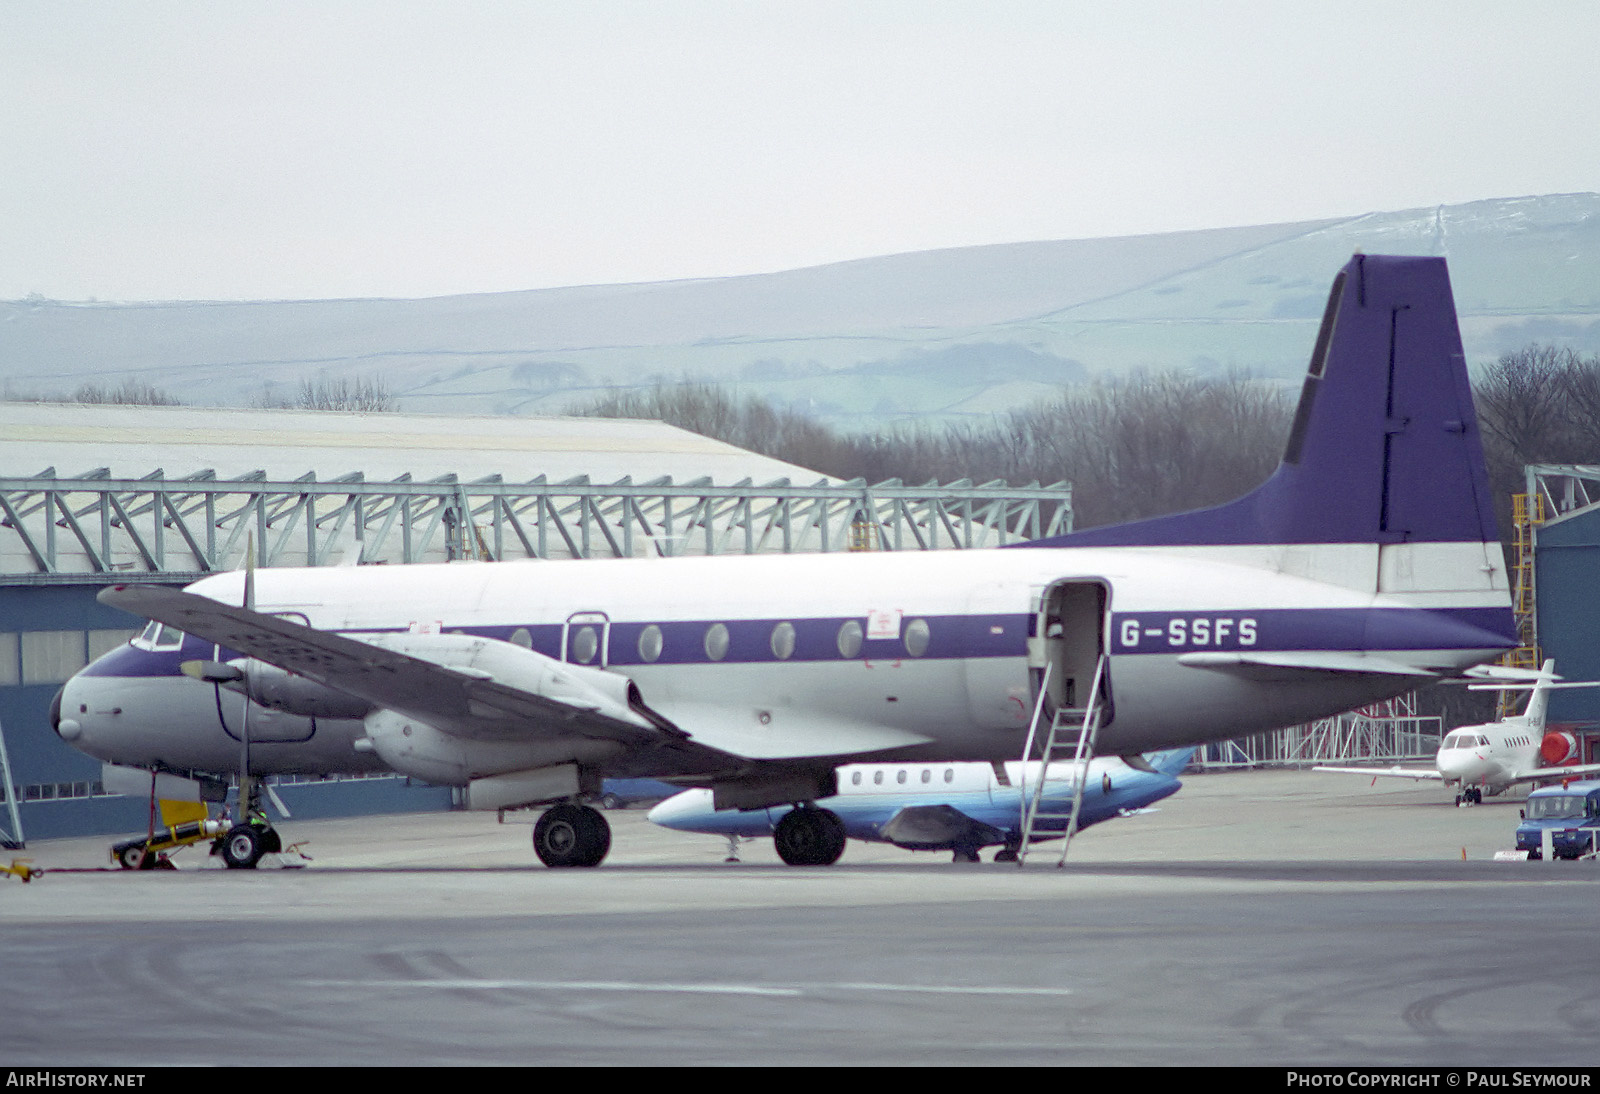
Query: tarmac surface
(1268,917)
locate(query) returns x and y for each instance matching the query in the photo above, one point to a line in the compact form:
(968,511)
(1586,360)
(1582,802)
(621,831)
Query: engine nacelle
(279,689)
(530,741)
(1558,748)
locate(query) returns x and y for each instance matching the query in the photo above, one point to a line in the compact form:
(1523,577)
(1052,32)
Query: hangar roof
(134,441)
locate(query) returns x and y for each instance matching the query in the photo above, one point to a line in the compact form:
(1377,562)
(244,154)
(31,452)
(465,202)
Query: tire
(243,847)
(809,836)
(135,857)
(571,835)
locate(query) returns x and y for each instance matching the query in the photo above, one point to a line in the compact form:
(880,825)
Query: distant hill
(942,333)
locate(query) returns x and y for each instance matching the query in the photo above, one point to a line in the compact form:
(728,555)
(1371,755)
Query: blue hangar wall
(1567,603)
(49,632)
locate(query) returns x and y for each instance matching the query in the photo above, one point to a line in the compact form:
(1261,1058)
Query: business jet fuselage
(1368,563)
(959,807)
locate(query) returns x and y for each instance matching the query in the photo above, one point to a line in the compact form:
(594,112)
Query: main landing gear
(1473,795)
(571,835)
(809,836)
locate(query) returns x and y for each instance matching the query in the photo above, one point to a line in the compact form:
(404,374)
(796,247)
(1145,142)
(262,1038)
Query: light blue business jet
(959,807)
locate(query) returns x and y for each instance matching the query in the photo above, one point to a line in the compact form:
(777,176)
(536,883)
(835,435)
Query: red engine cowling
(1558,748)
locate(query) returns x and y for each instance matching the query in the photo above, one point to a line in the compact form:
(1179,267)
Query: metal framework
(94,528)
(1554,492)
(11,838)
(1390,730)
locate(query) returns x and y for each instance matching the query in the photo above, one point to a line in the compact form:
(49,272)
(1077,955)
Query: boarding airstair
(1071,736)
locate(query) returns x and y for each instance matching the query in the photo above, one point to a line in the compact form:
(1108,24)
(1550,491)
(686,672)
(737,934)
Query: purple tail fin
(1384,447)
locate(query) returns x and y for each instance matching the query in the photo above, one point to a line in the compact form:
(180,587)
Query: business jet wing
(467,686)
(1396,772)
(1573,772)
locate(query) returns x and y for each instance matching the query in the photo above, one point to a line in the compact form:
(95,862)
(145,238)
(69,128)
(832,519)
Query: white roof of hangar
(136,441)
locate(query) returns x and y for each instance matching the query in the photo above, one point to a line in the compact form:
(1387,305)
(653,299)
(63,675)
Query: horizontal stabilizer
(1302,665)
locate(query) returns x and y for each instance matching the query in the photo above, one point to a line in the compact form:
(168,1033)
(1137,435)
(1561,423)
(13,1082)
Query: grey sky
(206,150)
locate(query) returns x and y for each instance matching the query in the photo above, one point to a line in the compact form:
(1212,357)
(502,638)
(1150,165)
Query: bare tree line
(1139,447)
(369,394)
(128,393)
(1130,448)
(1540,404)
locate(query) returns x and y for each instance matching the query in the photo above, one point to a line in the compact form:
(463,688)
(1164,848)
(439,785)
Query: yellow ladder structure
(1527,513)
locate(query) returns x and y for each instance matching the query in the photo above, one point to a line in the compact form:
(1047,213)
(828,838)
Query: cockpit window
(159,636)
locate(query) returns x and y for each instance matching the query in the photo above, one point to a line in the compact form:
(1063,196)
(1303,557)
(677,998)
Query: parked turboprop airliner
(1493,757)
(1367,564)
(949,807)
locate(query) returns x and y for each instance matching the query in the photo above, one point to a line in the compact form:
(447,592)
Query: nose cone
(68,730)
(687,812)
(65,713)
(1466,764)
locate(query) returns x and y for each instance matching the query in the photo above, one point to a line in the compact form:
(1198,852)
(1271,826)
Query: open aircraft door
(1070,635)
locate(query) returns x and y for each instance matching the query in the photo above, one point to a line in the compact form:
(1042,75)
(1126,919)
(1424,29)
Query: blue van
(1571,812)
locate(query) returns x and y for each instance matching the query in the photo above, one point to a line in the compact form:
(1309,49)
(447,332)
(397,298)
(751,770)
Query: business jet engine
(1558,747)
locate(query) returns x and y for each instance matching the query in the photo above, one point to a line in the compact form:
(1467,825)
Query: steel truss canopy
(1562,489)
(93,527)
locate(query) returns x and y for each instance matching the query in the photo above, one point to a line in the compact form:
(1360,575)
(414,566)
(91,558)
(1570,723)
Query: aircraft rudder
(1384,445)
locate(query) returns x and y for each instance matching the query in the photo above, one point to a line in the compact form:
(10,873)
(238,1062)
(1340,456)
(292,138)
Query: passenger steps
(1071,735)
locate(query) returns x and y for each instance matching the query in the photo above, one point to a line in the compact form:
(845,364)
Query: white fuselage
(1490,756)
(917,655)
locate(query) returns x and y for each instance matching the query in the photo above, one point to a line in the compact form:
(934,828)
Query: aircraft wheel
(571,835)
(965,854)
(809,836)
(135,857)
(1006,854)
(243,847)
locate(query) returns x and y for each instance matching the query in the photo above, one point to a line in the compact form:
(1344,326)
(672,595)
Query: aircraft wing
(471,687)
(1396,772)
(1573,772)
